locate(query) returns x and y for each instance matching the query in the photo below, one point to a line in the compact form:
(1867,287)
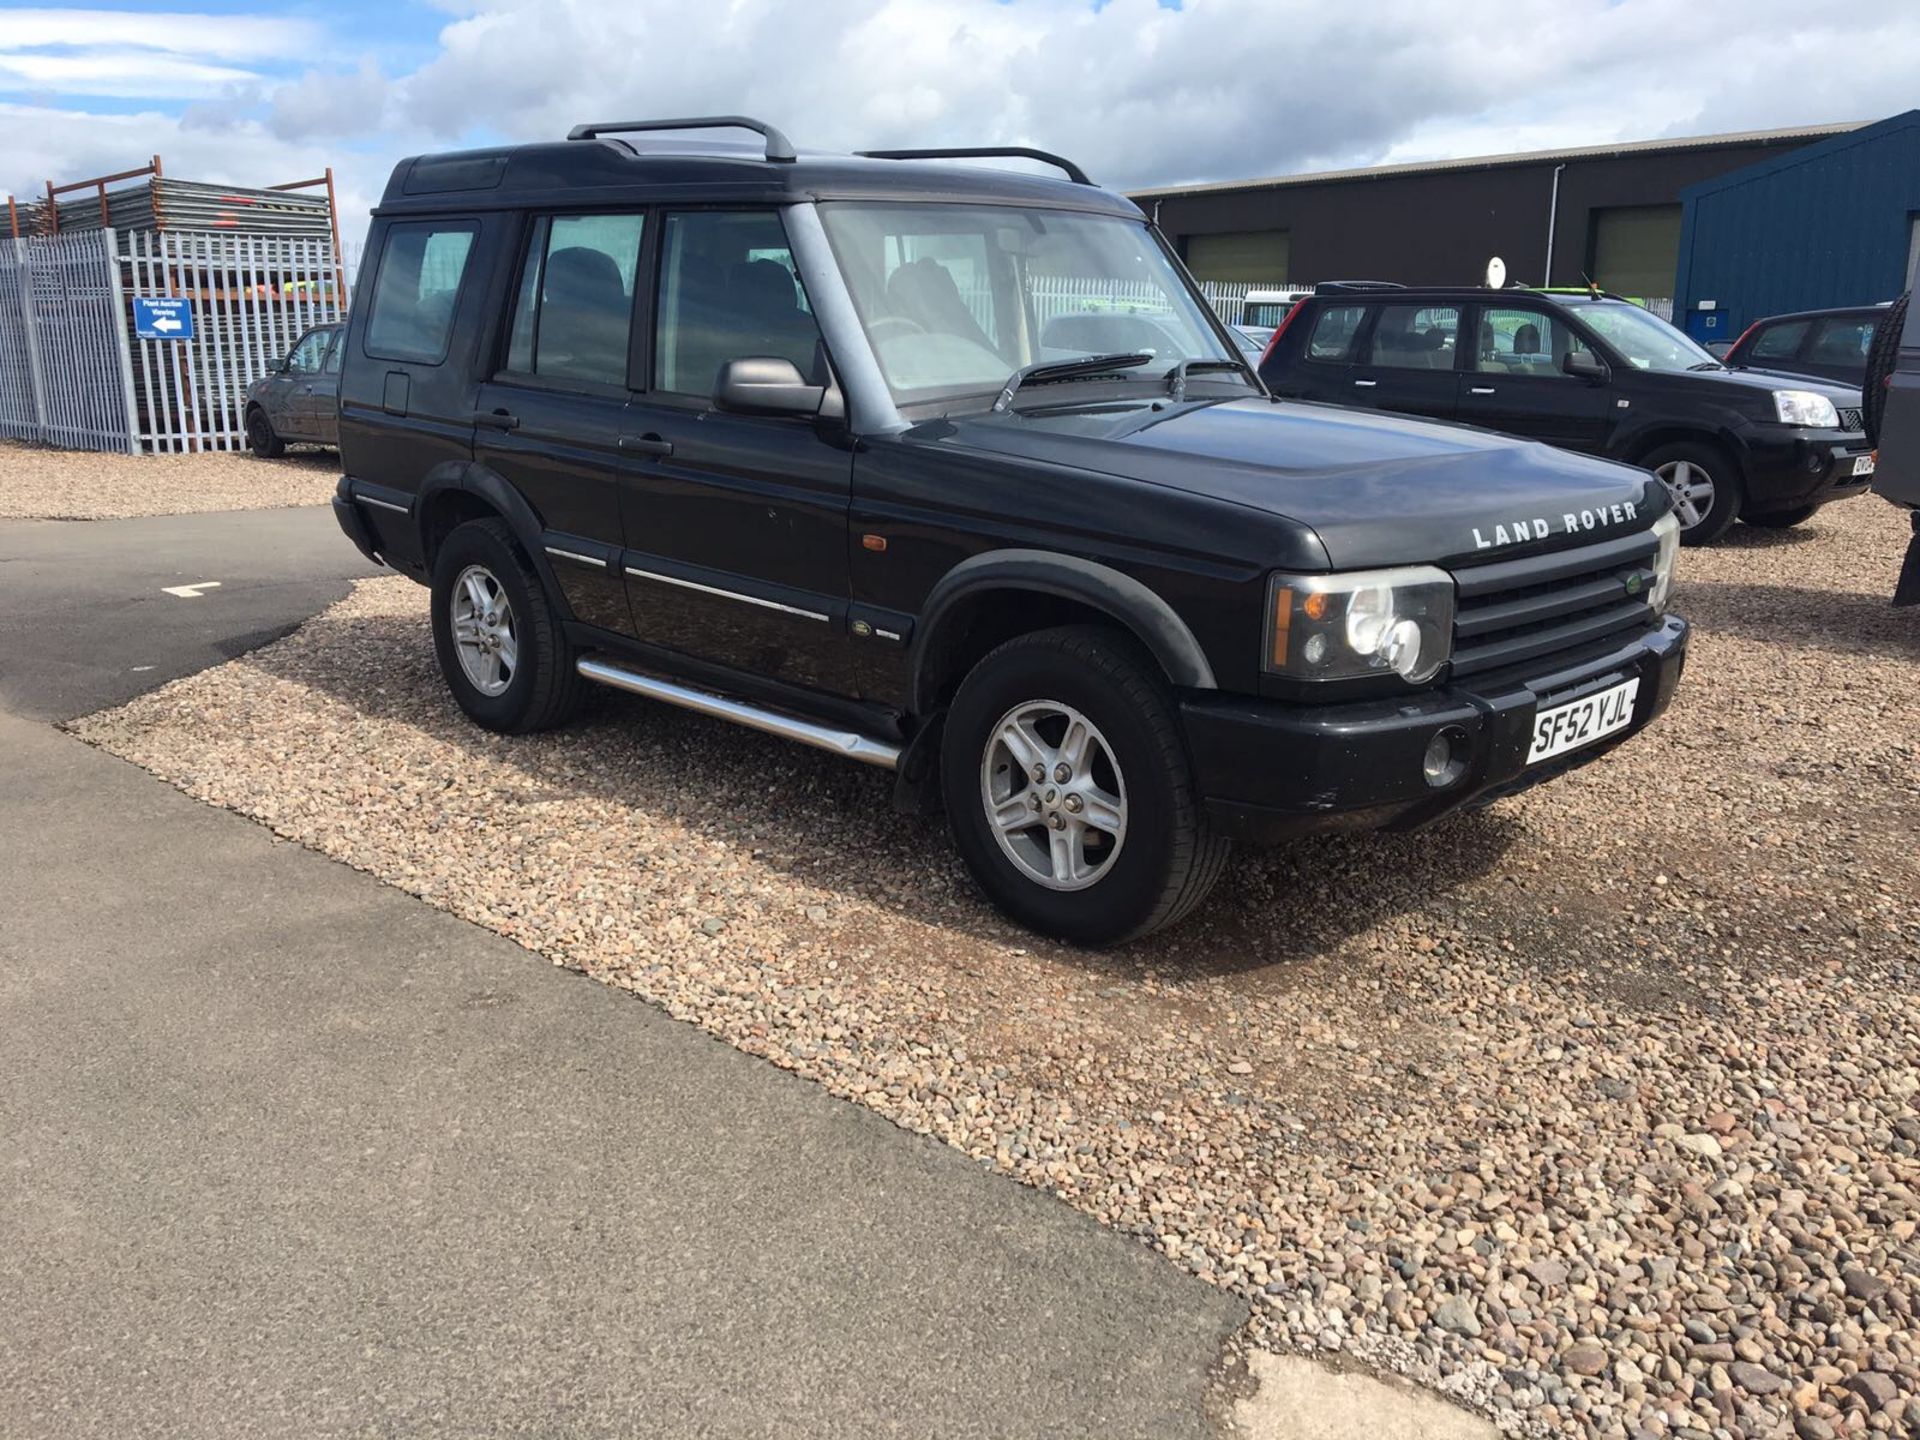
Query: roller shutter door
(1245,255)
(1636,250)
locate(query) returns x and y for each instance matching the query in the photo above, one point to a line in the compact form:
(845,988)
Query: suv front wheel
(1069,790)
(501,647)
(1705,486)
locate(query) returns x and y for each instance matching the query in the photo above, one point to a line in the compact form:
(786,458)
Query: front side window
(336,351)
(729,291)
(955,298)
(573,315)
(411,316)
(308,355)
(1333,332)
(1779,342)
(1521,342)
(1415,337)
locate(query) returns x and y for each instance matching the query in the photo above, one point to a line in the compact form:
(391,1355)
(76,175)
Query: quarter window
(1415,337)
(1779,342)
(1333,332)
(1521,342)
(573,316)
(421,268)
(728,291)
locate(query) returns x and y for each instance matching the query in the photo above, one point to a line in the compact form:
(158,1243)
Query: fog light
(1446,759)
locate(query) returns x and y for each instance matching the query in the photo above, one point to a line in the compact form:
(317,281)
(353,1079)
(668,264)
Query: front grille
(1850,417)
(1515,611)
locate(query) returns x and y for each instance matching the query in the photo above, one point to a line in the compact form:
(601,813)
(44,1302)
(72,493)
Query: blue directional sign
(162,319)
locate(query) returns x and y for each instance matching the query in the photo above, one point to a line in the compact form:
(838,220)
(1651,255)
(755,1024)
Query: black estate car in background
(1591,373)
(1824,344)
(298,400)
(814,444)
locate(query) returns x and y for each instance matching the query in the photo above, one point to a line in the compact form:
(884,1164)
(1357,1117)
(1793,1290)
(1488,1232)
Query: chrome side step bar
(849,743)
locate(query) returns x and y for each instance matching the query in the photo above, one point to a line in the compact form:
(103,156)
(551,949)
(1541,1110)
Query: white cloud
(224,37)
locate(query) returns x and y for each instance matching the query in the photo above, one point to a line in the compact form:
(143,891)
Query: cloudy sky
(1140,91)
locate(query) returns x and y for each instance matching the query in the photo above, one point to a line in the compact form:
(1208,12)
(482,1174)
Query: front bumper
(1270,771)
(1787,467)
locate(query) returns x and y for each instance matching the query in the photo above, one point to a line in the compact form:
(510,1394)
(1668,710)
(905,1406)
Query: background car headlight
(1666,530)
(1803,407)
(1366,622)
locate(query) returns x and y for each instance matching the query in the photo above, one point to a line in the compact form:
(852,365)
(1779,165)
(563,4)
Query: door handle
(1480,390)
(646,445)
(1366,384)
(496,420)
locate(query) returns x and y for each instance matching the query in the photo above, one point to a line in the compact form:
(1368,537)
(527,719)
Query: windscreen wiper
(1077,368)
(1177,376)
(1707,365)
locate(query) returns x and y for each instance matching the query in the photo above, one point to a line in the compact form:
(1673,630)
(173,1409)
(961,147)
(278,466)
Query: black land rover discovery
(951,470)
(1593,373)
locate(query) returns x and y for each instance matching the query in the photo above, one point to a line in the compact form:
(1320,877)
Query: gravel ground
(41,484)
(1595,1110)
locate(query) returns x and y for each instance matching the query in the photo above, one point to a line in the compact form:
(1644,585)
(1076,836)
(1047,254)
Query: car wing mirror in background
(279,365)
(764,385)
(1585,365)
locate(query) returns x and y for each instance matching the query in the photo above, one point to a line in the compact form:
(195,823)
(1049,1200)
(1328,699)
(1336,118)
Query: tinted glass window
(1415,337)
(1521,342)
(307,355)
(1333,332)
(334,353)
(420,272)
(573,316)
(1778,342)
(1842,342)
(728,291)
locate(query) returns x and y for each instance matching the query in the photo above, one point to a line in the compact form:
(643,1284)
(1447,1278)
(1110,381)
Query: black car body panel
(853,561)
(1622,414)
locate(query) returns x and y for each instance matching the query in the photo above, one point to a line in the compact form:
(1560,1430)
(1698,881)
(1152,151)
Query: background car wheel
(1705,486)
(261,439)
(1881,356)
(1069,790)
(506,658)
(1782,519)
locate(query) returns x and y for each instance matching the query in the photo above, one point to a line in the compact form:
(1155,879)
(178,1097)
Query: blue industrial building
(1836,222)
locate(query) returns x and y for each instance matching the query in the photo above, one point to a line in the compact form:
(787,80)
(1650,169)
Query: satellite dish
(1496,273)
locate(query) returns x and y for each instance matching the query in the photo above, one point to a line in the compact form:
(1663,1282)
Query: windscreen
(1644,339)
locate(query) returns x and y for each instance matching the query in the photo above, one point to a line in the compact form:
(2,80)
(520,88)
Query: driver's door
(735,525)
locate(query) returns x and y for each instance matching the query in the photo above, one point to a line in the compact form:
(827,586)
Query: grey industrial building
(1612,213)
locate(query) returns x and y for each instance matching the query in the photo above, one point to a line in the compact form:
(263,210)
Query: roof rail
(779,148)
(1343,287)
(970,152)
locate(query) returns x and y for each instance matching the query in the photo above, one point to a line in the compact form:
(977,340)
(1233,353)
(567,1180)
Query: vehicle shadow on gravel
(1754,537)
(1837,621)
(831,824)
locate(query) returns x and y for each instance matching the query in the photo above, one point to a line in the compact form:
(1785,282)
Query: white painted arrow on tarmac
(190,592)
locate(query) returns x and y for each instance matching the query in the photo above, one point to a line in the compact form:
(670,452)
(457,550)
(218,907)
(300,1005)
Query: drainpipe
(1553,213)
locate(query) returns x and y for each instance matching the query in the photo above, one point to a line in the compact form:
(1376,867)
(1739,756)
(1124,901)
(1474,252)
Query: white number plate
(1581,722)
(1863,464)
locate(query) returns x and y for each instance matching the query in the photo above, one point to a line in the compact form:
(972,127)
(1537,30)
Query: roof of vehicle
(1348,291)
(1833,310)
(605,169)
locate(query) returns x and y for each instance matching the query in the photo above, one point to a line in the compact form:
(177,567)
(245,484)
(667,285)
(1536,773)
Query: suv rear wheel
(1705,486)
(506,658)
(1069,790)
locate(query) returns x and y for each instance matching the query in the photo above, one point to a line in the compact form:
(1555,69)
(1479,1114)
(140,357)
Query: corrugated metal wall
(1826,225)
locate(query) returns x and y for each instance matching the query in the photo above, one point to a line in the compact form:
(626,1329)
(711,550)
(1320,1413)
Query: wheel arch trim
(472,478)
(1126,600)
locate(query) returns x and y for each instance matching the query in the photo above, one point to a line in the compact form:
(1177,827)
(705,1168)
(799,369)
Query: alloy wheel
(483,633)
(1691,488)
(1054,796)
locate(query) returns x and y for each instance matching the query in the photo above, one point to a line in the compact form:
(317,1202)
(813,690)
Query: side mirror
(1585,365)
(763,385)
(279,365)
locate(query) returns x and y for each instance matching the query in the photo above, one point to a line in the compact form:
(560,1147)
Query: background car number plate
(1581,722)
(1863,464)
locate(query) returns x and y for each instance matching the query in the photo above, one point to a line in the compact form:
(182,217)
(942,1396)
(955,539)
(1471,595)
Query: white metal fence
(73,372)
(63,376)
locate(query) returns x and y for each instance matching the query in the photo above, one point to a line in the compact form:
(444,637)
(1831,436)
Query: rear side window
(573,317)
(421,268)
(1779,342)
(1415,337)
(1842,342)
(1333,332)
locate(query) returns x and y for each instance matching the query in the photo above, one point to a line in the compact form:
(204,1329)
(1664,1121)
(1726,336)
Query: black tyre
(262,439)
(501,646)
(1781,519)
(1069,790)
(1881,356)
(1705,485)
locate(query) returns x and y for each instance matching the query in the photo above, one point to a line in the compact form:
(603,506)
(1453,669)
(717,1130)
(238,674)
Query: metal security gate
(63,348)
(250,296)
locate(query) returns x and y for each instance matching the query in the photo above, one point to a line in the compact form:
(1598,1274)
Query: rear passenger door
(551,416)
(1408,354)
(1515,382)
(1325,369)
(736,525)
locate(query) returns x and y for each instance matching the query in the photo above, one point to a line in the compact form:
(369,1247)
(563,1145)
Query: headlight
(1666,530)
(1803,407)
(1366,622)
